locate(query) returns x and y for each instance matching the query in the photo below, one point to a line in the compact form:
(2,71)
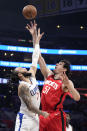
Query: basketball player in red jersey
(57,85)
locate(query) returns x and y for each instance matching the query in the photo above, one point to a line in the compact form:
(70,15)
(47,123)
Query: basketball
(29,12)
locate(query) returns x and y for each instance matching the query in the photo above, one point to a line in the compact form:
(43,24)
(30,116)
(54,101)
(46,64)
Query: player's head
(18,74)
(62,66)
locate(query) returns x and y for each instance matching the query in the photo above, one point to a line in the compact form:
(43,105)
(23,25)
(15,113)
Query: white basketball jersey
(35,97)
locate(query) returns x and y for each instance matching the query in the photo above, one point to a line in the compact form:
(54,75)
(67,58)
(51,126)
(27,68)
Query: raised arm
(35,57)
(43,67)
(23,92)
(36,36)
(73,91)
(36,50)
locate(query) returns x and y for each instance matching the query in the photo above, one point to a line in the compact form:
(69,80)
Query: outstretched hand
(39,36)
(32,28)
(65,79)
(45,114)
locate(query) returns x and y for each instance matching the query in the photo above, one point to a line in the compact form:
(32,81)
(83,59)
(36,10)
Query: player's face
(59,67)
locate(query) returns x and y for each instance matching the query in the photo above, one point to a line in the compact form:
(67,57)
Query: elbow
(77,98)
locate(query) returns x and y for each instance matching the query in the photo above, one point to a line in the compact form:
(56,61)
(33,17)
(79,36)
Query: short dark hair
(67,66)
(13,79)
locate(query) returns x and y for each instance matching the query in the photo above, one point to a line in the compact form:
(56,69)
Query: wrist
(70,89)
(35,43)
(36,46)
(41,113)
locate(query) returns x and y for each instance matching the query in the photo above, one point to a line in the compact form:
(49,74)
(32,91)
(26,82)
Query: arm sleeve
(35,55)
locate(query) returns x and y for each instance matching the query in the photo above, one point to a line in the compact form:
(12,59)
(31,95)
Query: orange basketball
(29,12)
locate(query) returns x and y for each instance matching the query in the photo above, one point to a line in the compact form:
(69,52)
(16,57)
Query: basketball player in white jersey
(28,92)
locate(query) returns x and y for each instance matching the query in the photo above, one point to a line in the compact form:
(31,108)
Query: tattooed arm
(23,92)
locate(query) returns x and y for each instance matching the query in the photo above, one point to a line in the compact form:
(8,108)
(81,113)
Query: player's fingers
(28,26)
(65,78)
(65,75)
(61,78)
(42,34)
(31,24)
(34,24)
(39,31)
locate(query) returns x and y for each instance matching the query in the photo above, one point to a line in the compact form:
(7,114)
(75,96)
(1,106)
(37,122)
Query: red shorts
(56,121)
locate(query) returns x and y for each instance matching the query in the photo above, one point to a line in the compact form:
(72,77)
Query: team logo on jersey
(47,87)
(51,83)
(33,92)
(46,90)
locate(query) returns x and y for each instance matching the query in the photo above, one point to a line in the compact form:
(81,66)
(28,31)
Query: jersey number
(47,88)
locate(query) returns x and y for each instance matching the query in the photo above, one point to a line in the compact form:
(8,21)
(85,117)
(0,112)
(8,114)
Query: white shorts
(26,123)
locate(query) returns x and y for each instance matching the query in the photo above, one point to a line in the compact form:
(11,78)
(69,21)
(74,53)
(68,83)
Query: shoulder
(23,85)
(22,89)
(33,81)
(50,76)
(50,73)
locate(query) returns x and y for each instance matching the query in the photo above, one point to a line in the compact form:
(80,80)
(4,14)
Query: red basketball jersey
(52,96)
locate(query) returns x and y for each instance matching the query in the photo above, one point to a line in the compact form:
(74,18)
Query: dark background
(68,36)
